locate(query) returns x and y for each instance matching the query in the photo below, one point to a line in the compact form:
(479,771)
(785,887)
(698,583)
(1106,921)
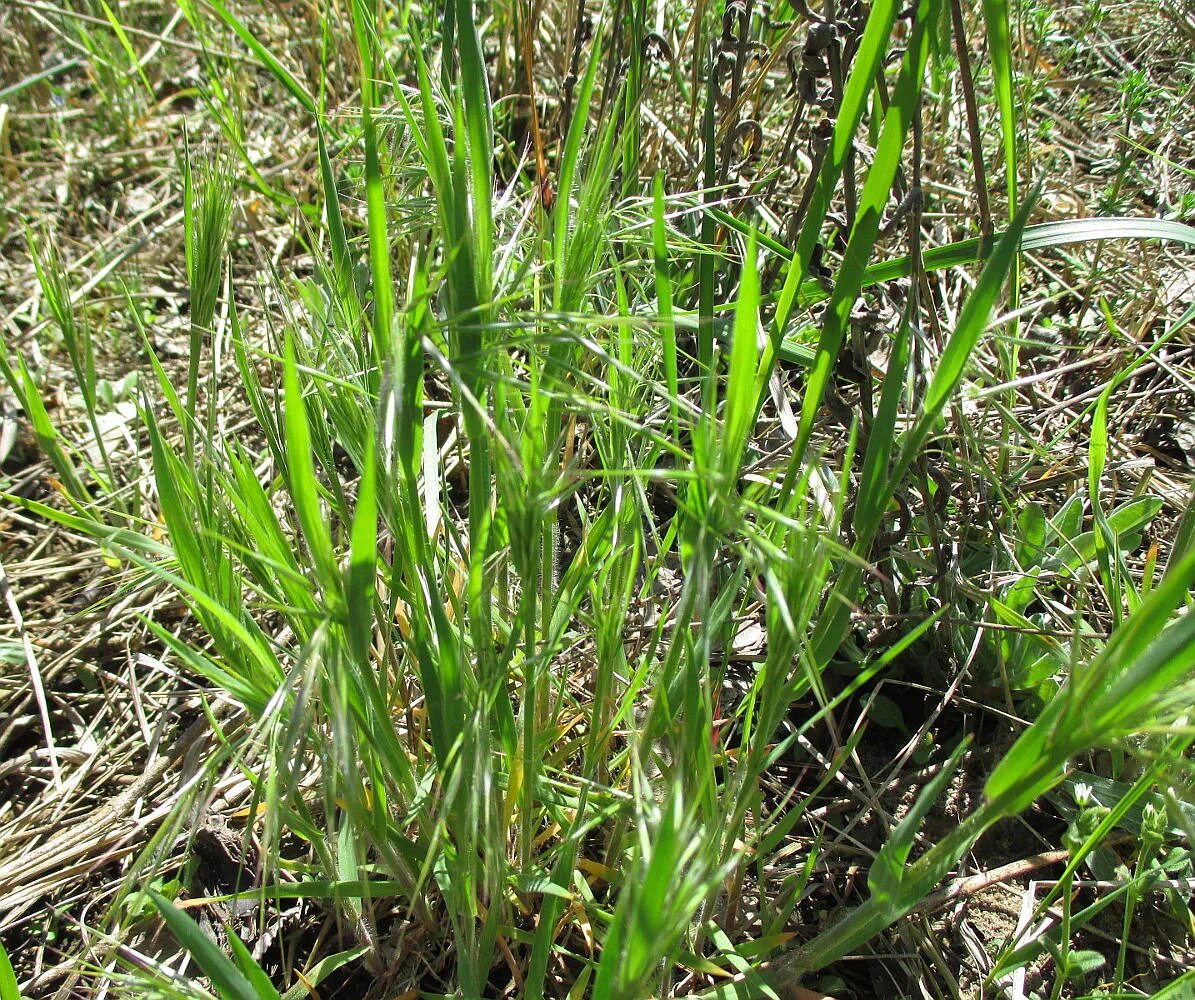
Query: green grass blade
(1106,548)
(207,221)
(304,488)
(742,389)
(123,538)
(342,260)
(877,191)
(322,970)
(35,78)
(887,875)
(873,499)
(566,221)
(1178,989)
(972,323)
(663,281)
(479,120)
(48,439)
(8,979)
(1039,236)
(123,38)
(995,16)
(267,58)
(1113,695)
(869,59)
(379,239)
(249,968)
(1184,536)
(1142,659)
(361,577)
(708,258)
(225,976)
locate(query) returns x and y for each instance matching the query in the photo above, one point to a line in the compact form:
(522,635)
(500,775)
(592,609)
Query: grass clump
(595,497)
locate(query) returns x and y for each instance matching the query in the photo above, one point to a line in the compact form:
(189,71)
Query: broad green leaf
(1122,523)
